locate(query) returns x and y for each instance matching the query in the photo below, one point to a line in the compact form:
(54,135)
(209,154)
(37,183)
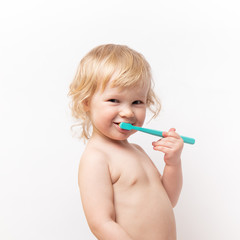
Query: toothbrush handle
(188,140)
(159,134)
(150,131)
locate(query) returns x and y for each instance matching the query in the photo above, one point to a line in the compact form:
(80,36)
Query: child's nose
(126,112)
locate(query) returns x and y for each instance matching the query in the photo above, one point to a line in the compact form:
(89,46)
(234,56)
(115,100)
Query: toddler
(123,194)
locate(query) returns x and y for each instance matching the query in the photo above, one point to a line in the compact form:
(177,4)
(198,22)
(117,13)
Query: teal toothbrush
(128,126)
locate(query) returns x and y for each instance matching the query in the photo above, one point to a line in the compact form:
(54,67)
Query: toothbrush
(128,126)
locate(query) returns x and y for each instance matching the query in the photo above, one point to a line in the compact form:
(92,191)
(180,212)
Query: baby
(124,196)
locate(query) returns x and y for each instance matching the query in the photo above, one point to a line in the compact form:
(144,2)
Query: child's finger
(162,149)
(164,143)
(166,134)
(171,133)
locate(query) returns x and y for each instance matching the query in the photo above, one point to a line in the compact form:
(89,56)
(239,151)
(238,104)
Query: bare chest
(141,203)
(131,169)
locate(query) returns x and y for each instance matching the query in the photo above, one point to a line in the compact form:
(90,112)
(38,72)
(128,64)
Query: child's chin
(120,138)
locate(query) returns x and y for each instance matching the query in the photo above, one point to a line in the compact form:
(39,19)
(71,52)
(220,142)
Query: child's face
(112,106)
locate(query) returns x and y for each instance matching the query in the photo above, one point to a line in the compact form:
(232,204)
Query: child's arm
(97,198)
(171,145)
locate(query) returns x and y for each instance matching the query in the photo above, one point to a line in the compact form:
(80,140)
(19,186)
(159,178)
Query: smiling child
(123,194)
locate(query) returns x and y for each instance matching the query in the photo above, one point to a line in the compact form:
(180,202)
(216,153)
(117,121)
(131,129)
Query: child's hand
(171,145)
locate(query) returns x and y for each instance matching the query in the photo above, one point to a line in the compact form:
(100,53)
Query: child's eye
(137,102)
(113,100)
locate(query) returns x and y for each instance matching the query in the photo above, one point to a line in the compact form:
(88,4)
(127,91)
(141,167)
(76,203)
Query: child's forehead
(139,91)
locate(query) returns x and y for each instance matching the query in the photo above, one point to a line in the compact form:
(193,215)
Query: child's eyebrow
(114,94)
(117,94)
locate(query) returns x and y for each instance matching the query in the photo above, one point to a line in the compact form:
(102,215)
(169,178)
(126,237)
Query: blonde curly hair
(124,65)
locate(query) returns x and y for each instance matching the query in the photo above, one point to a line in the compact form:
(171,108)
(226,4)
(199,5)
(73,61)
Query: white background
(193,48)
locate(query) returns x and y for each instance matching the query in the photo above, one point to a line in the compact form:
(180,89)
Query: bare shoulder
(92,156)
(138,147)
(93,167)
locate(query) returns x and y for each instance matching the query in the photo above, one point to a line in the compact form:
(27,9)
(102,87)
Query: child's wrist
(177,163)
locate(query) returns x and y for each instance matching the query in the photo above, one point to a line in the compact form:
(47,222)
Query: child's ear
(86,104)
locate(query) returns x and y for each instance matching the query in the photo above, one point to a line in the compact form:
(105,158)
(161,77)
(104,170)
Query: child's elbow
(94,227)
(98,228)
(174,202)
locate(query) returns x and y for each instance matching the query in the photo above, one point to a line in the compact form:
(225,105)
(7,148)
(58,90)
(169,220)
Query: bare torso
(141,203)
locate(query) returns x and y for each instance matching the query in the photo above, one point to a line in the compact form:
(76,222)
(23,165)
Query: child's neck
(104,139)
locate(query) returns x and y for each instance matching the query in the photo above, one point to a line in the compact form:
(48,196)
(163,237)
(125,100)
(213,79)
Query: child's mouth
(118,124)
